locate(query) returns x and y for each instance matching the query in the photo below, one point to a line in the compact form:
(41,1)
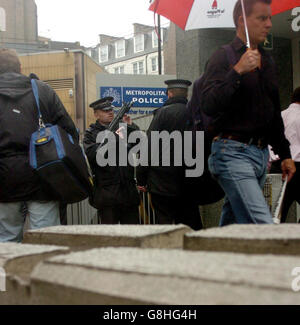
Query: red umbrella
(194,14)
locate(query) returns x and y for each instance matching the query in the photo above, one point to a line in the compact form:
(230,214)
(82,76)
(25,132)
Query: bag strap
(37,100)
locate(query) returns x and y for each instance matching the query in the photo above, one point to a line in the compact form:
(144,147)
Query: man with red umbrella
(243,100)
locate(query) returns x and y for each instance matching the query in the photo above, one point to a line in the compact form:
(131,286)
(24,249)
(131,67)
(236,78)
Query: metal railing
(83,213)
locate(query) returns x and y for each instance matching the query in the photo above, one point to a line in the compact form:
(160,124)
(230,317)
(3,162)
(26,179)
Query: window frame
(2,20)
(123,48)
(118,69)
(135,43)
(138,65)
(155,38)
(156,63)
(100,53)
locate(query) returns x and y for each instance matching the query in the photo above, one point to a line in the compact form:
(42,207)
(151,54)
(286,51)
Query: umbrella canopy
(194,14)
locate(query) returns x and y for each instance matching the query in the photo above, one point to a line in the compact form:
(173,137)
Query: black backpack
(204,189)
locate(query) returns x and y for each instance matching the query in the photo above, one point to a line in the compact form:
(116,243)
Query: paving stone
(251,239)
(151,236)
(162,276)
(18,261)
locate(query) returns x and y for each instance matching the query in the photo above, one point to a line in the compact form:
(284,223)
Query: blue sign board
(141,97)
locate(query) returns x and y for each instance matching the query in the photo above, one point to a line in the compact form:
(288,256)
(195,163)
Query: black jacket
(165,180)
(247,105)
(18,120)
(114,185)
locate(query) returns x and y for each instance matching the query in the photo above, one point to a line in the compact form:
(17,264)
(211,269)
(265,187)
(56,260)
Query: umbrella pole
(159,48)
(245,23)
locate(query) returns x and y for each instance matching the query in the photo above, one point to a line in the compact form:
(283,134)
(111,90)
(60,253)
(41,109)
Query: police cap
(105,104)
(178,83)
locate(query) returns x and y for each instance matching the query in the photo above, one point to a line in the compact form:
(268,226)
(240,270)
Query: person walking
(243,100)
(20,187)
(291,119)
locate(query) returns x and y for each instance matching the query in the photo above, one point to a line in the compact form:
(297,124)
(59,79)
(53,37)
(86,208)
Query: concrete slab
(283,239)
(161,276)
(151,236)
(18,261)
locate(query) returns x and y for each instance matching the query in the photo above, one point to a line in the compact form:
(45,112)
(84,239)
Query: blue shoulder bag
(60,162)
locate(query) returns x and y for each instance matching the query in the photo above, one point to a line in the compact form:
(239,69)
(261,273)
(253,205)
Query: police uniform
(115,195)
(165,183)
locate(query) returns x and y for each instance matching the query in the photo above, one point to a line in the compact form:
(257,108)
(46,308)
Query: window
(155,37)
(120,48)
(154,64)
(138,67)
(119,70)
(103,55)
(139,43)
(2,20)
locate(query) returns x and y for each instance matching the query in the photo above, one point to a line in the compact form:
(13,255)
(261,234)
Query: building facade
(19,29)
(134,55)
(18,21)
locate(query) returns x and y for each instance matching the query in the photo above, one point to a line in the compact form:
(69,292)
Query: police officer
(115,196)
(165,183)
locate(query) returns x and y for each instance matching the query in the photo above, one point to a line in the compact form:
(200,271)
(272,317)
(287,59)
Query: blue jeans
(41,215)
(241,171)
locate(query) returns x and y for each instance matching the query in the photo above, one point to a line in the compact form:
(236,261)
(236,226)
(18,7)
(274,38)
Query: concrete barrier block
(283,239)
(151,236)
(17,262)
(161,276)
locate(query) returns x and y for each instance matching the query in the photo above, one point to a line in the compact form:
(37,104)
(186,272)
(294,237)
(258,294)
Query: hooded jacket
(18,120)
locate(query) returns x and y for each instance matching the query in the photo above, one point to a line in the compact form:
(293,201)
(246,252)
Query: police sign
(141,97)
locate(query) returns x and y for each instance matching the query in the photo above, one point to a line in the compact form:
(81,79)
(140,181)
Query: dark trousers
(119,214)
(174,209)
(292,193)
(63,214)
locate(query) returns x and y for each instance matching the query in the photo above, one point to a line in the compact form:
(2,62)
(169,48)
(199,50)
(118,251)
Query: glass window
(139,43)
(141,67)
(2,20)
(103,55)
(119,70)
(120,48)
(135,68)
(154,64)
(138,67)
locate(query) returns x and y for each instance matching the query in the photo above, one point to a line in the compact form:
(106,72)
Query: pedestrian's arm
(288,169)
(278,140)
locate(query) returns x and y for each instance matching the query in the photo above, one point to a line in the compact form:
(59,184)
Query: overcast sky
(84,20)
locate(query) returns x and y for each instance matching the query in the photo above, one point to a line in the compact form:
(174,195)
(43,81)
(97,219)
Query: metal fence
(83,213)
(272,189)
